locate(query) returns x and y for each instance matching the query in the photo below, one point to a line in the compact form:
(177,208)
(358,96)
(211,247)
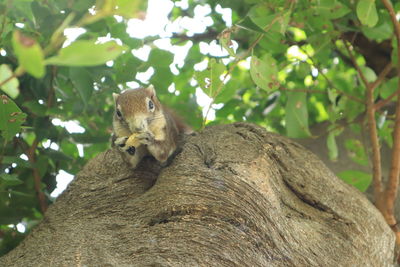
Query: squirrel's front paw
(146,138)
(121,143)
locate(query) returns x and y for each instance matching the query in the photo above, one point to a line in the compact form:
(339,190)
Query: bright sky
(156,23)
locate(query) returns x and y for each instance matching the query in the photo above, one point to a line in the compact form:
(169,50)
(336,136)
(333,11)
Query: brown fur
(161,124)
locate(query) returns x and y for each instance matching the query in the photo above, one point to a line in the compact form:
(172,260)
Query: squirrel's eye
(151,105)
(119,113)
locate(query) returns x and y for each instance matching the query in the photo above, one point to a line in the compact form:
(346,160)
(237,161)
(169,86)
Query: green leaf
(17,160)
(394,52)
(24,8)
(83,82)
(69,148)
(274,43)
(386,132)
(296,116)
(302,70)
(10,87)
(125,67)
(381,32)
(320,42)
(82,5)
(264,72)
(369,74)
(358,179)
(87,53)
(130,8)
(9,179)
(248,24)
(160,58)
(352,109)
(356,151)
(42,162)
(388,88)
(229,91)
(29,54)
(35,107)
(161,79)
(333,151)
(11,118)
(209,79)
(332,9)
(267,20)
(366,12)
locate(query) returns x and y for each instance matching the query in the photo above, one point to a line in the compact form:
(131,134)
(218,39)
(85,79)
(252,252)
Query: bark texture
(235,195)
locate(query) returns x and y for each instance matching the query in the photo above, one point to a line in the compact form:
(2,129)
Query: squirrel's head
(137,108)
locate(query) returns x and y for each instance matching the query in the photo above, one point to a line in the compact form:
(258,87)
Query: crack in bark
(290,207)
(313,203)
(167,216)
(250,135)
(280,163)
(225,166)
(204,214)
(208,156)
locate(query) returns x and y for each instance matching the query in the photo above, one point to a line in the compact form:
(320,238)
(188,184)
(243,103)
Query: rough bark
(235,195)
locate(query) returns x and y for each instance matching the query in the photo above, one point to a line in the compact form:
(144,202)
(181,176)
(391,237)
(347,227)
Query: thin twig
(51,96)
(382,76)
(30,153)
(393,183)
(376,153)
(378,81)
(36,175)
(8,79)
(18,72)
(353,59)
(373,133)
(386,101)
(354,98)
(281,88)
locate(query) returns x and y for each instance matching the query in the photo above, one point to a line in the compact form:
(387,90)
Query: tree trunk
(234,195)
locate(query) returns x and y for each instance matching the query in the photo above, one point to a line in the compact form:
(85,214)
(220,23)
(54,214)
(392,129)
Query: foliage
(285,66)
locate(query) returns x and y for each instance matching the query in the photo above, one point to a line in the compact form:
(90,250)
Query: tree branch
(393,183)
(355,65)
(373,133)
(382,75)
(386,101)
(30,153)
(51,96)
(378,81)
(281,88)
(31,157)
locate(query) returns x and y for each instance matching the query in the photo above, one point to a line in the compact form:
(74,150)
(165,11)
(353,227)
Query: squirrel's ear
(151,90)
(115,96)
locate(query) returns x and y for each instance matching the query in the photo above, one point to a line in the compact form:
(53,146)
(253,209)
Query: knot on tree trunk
(234,195)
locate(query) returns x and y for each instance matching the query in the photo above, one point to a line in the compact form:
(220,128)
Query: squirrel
(143,126)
